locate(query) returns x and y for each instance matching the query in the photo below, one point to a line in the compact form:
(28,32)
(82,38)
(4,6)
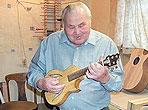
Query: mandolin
(71,77)
(136,71)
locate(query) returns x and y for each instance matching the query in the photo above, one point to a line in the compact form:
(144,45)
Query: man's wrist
(39,83)
(105,79)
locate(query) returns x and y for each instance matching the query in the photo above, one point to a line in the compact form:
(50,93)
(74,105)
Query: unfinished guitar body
(136,71)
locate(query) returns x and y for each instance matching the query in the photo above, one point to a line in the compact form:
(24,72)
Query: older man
(81,46)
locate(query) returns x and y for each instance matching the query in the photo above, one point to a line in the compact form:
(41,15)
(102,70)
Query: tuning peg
(112,69)
(112,57)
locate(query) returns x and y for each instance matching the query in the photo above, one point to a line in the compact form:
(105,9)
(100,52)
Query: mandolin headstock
(111,61)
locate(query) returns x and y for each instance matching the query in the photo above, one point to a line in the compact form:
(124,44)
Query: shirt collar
(91,38)
(63,38)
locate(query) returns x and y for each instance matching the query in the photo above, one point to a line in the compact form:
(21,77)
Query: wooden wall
(104,16)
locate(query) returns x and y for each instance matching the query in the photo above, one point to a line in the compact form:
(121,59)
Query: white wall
(16,38)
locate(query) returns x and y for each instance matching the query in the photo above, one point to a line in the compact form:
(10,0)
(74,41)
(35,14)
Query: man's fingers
(88,74)
(58,88)
(101,57)
(91,68)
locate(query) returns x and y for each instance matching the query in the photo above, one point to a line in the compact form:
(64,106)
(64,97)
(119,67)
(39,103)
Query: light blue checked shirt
(57,52)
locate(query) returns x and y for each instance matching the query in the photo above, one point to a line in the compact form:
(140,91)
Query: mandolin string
(77,74)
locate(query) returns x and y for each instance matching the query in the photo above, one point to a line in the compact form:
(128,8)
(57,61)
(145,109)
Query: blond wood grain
(72,86)
(137,104)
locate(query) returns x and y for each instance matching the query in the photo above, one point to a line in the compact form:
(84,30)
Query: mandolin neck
(77,74)
(110,61)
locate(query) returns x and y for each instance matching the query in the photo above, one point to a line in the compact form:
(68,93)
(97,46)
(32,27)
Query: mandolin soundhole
(136,61)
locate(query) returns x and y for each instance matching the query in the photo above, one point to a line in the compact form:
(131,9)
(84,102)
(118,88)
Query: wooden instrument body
(136,71)
(70,86)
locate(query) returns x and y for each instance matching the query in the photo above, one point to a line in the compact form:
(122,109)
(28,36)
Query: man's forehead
(72,20)
(76,24)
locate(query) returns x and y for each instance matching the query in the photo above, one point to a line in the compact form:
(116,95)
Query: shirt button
(75,60)
(72,97)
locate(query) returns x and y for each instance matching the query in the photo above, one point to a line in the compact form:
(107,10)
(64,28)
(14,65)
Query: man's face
(77,26)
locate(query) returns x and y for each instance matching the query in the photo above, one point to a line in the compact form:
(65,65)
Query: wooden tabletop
(120,99)
(18,105)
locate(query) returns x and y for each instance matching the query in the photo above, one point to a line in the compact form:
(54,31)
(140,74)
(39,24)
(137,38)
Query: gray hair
(73,7)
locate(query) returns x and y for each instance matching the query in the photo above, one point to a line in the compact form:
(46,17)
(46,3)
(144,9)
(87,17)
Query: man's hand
(98,72)
(50,84)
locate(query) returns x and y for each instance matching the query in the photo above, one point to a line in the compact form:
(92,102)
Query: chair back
(1,93)
(20,79)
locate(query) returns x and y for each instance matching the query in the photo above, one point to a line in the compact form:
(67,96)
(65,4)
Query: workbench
(122,100)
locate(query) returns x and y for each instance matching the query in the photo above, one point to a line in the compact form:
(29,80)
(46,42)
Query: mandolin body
(70,86)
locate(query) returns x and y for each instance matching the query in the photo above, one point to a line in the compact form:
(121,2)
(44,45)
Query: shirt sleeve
(115,83)
(37,67)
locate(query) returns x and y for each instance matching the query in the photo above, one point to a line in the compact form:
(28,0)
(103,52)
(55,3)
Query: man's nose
(77,30)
